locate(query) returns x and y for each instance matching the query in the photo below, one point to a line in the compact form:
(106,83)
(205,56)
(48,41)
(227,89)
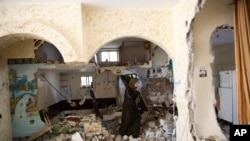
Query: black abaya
(131,114)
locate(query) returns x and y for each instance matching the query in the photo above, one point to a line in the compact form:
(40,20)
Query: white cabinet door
(226,104)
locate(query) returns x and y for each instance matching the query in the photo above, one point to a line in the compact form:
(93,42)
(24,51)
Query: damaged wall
(219,13)
(183,68)
(81,40)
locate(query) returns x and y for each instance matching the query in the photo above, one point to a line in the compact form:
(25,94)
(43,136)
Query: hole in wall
(32,121)
(222,48)
(0,116)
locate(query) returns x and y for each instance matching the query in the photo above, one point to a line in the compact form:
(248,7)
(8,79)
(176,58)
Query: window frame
(89,82)
(108,51)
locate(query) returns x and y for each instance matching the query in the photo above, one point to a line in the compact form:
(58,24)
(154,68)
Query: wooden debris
(44,130)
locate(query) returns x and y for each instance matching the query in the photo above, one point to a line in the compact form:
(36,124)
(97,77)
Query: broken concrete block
(108,117)
(151,124)
(92,127)
(72,123)
(158,133)
(161,139)
(149,134)
(118,138)
(134,139)
(76,137)
(125,137)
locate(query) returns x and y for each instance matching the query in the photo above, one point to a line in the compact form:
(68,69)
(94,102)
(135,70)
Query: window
(86,81)
(109,56)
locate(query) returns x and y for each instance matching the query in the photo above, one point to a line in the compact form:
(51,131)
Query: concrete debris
(76,137)
(157,125)
(213,138)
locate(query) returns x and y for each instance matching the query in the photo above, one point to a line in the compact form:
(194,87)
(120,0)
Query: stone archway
(164,91)
(16,31)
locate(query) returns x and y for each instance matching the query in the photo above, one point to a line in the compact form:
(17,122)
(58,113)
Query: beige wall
(55,23)
(104,25)
(20,49)
(79,31)
(215,13)
(5,120)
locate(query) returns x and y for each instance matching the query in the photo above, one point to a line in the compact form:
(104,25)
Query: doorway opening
(224,79)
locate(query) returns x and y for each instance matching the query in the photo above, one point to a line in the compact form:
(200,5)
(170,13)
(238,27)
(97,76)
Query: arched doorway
(224,79)
(138,57)
(24,56)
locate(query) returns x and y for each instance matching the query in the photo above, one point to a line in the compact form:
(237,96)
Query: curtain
(242,55)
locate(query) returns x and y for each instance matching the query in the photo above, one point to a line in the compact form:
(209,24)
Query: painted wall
(23,99)
(219,13)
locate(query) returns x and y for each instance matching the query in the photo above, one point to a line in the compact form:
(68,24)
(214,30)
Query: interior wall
(46,22)
(166,29)
(183,17)
(222,62)
(5,116)
(118,23)
(20,49)
(66,86)
(47,93)
(160,57)
(215,13)
(133,57)
(225,61)
(105,85)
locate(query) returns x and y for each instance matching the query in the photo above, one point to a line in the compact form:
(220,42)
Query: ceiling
(166,4)
(223,38)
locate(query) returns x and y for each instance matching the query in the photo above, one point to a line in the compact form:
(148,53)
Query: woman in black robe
(131,110)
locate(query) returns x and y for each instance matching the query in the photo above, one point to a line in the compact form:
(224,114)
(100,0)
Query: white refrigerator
(228,96)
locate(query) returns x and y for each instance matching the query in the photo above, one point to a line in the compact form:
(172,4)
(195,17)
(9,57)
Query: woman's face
(137,84)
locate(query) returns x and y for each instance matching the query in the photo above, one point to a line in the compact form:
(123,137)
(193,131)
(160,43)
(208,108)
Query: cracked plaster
(205,117)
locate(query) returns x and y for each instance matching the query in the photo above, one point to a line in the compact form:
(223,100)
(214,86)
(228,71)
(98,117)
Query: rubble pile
(157,125)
